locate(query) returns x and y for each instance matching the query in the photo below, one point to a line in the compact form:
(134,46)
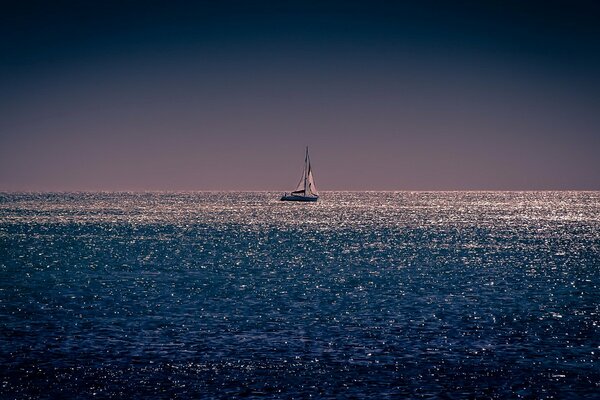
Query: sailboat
(306,189)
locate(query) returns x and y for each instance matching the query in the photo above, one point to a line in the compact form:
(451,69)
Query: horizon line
(279,191)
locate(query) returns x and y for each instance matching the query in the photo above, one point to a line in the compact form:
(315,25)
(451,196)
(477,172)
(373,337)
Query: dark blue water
(362,295)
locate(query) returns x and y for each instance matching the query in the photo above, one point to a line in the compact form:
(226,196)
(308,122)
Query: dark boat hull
(299,198)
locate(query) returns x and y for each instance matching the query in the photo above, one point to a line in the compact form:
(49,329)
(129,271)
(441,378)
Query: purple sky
(176,97)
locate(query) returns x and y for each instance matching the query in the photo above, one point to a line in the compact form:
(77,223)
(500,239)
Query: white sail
(312,188)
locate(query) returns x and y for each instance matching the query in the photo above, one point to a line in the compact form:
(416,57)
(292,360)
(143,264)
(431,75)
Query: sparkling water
(360,295)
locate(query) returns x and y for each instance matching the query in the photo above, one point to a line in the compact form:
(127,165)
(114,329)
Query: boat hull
(299,198)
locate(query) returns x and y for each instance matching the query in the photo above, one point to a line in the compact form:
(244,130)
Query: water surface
(361,295)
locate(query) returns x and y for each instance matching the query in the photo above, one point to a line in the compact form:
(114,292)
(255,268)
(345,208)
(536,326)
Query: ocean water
(361,295)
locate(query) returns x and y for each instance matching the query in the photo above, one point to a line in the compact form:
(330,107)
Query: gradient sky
(224,96)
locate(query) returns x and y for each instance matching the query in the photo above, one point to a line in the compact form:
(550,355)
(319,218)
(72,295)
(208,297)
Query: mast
(306,167)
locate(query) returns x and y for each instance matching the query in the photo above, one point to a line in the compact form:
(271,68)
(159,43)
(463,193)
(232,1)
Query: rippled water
(365,295)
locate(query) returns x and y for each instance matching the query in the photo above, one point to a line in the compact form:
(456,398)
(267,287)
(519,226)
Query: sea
(362,295)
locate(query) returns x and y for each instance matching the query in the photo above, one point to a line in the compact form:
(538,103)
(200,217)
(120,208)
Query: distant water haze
(387,97)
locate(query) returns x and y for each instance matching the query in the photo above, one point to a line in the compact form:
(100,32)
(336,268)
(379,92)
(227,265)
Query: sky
(427,95)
